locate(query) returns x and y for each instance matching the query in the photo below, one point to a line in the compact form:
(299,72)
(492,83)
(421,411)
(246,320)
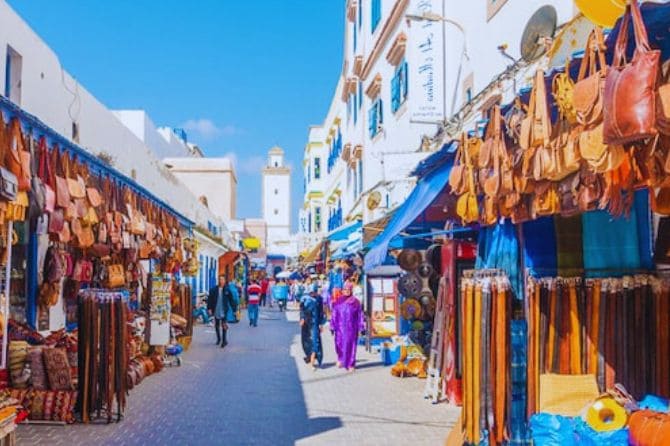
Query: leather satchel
(457,177)
(75,183)
(563,91)
(589,89)
(18,160)
(631,88)
(84,234)
(116,277)
(65,235)
(567,191)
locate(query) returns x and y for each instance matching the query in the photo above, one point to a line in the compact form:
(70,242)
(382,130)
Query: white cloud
(203,127)
(251,165)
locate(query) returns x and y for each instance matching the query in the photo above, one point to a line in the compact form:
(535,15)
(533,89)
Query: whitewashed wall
(46,93)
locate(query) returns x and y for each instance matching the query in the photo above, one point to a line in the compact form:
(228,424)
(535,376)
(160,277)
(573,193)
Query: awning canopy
(426,190)
(350,246)
(314,254)
(343,232)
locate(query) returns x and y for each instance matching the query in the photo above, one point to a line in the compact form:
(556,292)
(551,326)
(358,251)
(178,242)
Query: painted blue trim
(31,280)
(97,167)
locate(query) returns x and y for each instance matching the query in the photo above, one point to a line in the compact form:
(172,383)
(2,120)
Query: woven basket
(184,341)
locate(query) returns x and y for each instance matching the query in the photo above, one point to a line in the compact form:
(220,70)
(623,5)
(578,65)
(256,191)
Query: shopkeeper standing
(219,301)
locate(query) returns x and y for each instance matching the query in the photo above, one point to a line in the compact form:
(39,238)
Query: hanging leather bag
(567,191)
(536,128)
(466,207)
(589,89)
(631,88)
(45,173)
(116,276)
(458,175)
(563,91)
(545,200)
(56,221)
(83,271)
(54,269)
(18,160)
(75,184)
(62,192)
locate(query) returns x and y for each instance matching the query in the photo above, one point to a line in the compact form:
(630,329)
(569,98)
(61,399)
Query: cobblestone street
(258,391)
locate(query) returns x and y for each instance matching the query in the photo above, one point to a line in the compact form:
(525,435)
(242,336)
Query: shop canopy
(343,233)
(350,247)
(425,191)
(37,128)
(314,254)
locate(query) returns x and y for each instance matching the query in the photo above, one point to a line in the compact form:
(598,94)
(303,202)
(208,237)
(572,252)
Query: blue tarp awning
(426,190)
(436,160)
(343,232)
(350,246)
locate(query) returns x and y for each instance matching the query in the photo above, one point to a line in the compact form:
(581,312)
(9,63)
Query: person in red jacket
(254,292)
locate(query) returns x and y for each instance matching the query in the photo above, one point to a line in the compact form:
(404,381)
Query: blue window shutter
(406,80)
(381,111)
(395,93)
(371,121)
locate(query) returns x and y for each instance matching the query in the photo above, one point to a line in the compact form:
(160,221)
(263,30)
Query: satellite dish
(602,12)
(541,25)
(374,199)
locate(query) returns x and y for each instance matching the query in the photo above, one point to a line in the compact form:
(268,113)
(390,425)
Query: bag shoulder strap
(541,112)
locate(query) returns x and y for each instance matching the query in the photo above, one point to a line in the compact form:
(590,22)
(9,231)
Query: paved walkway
(257,391)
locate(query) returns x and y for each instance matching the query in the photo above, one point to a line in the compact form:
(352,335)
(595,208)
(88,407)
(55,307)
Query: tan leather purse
(75,184)
(458,175)
(589,88)
(536,128)
(467,207)
(116,278)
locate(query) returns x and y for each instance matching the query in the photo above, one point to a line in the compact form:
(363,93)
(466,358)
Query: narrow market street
(257,391)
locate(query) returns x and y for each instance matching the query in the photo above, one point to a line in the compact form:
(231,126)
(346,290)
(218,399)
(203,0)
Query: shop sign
(425,53)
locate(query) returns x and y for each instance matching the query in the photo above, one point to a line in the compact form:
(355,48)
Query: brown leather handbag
(567,191)
(18,161)
(563,91)
(75,183)
(589,88)
(631,88)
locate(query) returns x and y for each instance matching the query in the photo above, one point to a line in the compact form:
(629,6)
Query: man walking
(219,301)
(254,292)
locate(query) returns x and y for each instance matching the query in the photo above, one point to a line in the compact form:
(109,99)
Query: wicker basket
(184,341)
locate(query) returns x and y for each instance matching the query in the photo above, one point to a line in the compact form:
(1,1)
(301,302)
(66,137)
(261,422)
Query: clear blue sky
(242,76)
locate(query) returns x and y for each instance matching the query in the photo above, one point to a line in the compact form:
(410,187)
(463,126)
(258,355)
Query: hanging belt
(500,347)
(610,331)
(564,324)
(476,366)
(551,337)
(602,325)
(663,341)
(468,367)
(574,337)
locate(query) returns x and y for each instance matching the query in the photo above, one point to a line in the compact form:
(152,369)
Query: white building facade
(371,139)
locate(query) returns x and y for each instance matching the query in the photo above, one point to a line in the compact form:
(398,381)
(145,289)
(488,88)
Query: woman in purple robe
(346,324)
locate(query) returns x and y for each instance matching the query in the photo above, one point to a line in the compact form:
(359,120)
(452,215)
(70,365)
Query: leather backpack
(631,87)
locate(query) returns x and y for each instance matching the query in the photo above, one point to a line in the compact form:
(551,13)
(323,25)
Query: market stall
(81,245)
(566,192)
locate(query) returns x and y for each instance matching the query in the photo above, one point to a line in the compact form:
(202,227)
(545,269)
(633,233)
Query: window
(376,14)
(399,87)
(276,191)
(360,15)
(468,88)
(309,221)
(360,94)
(317,219)
(276,211)
(492,7)
(360,176)
(13,66)
(317,168)
(375,118)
